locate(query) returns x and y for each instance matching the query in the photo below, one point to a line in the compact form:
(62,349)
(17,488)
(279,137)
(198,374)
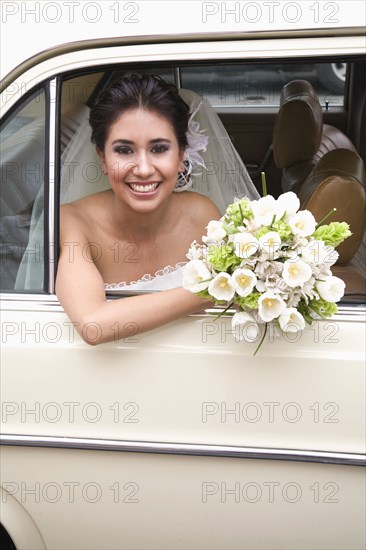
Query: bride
(136,234)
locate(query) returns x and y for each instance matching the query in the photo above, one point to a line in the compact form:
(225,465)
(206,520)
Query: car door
(181,430)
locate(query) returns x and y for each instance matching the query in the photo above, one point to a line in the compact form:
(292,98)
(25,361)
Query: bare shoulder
(76,216)
(198,212)
(202,206)
(86,204)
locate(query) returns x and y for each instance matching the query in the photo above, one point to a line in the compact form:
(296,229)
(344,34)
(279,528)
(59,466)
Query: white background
(28,27)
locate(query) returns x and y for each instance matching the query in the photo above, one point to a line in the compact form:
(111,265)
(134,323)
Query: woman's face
(142,159)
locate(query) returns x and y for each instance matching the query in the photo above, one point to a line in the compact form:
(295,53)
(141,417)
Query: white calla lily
(270,242)
(270,306)
(264,210)
(215,231)
(302,223)
(287,203)
(296,272)
(291,320)
(222,287)
(244,281)
(196,276)
(245,245)
(245,327)
(331,289)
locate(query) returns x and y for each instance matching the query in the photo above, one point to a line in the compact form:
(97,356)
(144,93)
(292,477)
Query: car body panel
(134,500)
(316,382)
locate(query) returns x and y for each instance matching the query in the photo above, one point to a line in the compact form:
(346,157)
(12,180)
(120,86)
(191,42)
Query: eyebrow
(128,142)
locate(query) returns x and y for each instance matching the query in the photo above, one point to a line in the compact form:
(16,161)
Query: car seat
(300,139)
(339,181)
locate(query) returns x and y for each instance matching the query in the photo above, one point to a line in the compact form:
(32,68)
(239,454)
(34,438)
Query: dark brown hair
(148,92)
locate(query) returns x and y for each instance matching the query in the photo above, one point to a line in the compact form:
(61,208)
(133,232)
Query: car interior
(306,139)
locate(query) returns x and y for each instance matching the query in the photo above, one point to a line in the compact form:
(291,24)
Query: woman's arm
(80,289)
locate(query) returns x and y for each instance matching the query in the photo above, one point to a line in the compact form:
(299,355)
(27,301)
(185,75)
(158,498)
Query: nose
(143,167)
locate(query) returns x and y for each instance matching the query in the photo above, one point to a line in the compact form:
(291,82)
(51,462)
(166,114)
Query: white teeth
(144,188)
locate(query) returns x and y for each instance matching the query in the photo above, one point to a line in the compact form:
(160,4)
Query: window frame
(63,66)
(52,184)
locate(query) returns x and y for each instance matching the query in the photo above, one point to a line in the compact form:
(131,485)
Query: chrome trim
(227,451)
(52,90)
(28,297)
(29,302)
(355,313)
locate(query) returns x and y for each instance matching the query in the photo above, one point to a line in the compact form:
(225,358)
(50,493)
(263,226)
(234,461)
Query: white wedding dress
(164,279)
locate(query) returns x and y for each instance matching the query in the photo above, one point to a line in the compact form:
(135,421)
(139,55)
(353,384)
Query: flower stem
(241,213)
(223,312)
(325,217)
(261,342)
(264,184)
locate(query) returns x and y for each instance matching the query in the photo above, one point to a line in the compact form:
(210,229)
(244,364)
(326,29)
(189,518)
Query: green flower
(261,231)
(250,301)
(239,211)
(334,233)
(283,229)
(222,257)
(323,308)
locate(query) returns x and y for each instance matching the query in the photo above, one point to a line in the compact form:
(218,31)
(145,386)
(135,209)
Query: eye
(123,150)
(160,148)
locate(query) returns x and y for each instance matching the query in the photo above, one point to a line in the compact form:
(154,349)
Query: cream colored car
(179,437)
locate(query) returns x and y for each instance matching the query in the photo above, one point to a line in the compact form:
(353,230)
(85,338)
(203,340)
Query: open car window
(207,81)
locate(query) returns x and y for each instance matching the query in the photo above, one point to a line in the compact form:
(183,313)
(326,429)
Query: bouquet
(271,262)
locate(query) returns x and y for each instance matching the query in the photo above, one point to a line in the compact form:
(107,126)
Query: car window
(22,167)
(244,85)
(212,82)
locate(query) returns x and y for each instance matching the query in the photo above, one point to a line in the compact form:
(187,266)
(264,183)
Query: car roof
(79,45)
(29,28)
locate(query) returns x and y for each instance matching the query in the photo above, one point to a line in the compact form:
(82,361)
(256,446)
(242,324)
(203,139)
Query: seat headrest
(338,181)
(299,124)
(297,88)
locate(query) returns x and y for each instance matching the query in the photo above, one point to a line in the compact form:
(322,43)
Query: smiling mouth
(143,187)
